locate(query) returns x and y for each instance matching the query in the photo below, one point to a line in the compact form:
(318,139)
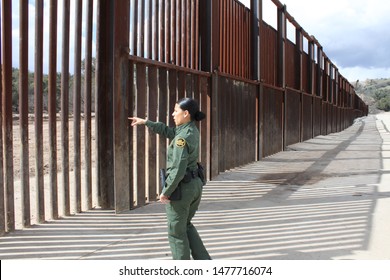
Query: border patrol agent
(183,188)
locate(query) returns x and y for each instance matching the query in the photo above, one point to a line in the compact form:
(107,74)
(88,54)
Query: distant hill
(375,93)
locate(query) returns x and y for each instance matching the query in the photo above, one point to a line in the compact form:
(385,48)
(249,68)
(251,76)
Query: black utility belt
(186,179)
(190,175)
(197,173)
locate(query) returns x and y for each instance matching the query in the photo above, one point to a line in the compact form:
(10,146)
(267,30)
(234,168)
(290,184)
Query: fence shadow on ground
(298,228)
(258,211)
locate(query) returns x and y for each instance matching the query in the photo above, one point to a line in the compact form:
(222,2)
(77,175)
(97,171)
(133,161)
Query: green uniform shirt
(183,151)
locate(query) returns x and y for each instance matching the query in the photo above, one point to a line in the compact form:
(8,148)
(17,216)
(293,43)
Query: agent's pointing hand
(136,121)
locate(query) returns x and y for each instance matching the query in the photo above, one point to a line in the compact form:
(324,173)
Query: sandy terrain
(31,136)
(47,194)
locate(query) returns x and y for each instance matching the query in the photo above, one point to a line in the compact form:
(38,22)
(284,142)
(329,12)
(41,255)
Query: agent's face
(180,116)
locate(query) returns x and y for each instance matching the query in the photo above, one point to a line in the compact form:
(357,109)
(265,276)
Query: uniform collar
(184,126)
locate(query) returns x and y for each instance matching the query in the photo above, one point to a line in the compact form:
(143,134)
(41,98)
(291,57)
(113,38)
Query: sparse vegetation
(45,85)
(375,93)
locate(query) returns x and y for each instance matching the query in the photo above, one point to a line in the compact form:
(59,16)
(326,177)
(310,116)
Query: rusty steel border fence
(260,91)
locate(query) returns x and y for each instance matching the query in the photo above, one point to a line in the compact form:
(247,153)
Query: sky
(354,34)
(46,17)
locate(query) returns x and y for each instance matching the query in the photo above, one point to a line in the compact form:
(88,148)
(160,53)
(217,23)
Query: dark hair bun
(199,116)
(192,107)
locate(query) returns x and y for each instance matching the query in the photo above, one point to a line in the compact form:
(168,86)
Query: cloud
(361,49)
(352,32)
(364,73)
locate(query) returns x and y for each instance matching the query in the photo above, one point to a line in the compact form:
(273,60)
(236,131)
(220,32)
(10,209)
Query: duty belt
(190,175)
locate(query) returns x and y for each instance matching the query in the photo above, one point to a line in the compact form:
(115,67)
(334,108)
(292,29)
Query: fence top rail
(307,94)
(151,62)
(293,89)
(272,87)
(237,78)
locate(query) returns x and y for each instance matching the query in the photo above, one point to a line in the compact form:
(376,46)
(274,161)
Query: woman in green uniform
(182,167)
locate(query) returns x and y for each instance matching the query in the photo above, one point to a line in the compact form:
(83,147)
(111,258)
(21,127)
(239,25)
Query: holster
(196,173)
(176,195)
(201,174)
(162,179)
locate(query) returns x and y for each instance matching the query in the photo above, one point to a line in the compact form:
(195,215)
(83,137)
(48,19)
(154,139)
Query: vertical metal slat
(173,57)
(150,30)
(196,39)
(222,35)
(65,106)
(135,28)
(38,109)
(156,33)
(167,28)
(187,13)
(152,115)
(87,105)
(204,139)
(141,112)
(162,116)
(162,27)
(178,33)
(172,89)
(77,104)
(23,112)
(141,26)
(2,199)
(183,33)
(52,108)
(7,114)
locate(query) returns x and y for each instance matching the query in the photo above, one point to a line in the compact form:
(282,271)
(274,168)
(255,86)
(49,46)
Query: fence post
(260,116)
(122,168)
(104,96)
(299,75)
(310,68)
(281,69)
(281,72)
(209,35)
(298,53)
(209,30)
(319,71)
(257,21)
(214,161)
(257,32)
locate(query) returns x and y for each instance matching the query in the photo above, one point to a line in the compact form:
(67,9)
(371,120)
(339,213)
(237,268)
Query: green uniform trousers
(183,237)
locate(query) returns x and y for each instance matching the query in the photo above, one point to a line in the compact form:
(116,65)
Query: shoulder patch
(180,142)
